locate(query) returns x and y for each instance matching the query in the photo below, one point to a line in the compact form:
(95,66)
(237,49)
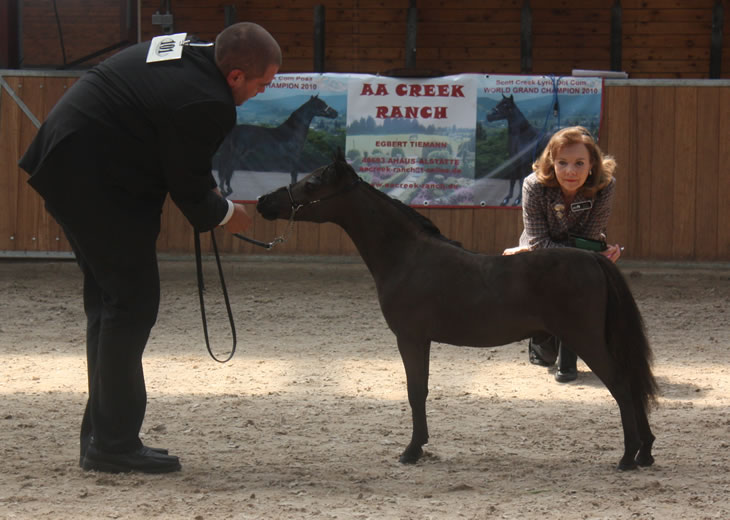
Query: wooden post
(526,38)
(319,20)
(9,48)
(411,34)
(616,34)
(716,40)
(229,14)
(128,21)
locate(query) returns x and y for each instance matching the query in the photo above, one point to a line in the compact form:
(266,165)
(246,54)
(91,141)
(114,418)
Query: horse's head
(315,197)
(320,109)
(503,110)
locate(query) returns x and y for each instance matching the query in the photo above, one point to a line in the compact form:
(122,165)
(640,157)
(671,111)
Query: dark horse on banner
(524,145)
(259,148)
(431,289)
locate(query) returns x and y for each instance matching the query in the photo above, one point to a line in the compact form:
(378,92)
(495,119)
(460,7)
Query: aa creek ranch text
(413,90)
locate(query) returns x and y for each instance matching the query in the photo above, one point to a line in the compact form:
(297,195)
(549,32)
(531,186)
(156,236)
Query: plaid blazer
(548,222)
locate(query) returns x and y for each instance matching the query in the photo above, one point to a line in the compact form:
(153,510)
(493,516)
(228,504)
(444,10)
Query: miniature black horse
(524,145)
(432,289)
(259,148)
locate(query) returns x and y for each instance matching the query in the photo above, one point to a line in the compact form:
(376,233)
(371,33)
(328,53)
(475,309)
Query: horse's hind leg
(604,366)
(518,198)
(226,185)
(632,440)
(225,168)
(415,356)
(509,195)
(644,457)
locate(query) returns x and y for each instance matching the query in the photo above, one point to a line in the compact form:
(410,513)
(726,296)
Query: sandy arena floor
(308,419)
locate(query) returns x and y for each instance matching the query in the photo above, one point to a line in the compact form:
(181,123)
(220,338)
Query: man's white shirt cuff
(229,213)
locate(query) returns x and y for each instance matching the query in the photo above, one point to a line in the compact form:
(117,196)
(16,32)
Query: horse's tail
(626,336)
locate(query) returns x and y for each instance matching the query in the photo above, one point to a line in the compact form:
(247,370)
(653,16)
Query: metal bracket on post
(165,21)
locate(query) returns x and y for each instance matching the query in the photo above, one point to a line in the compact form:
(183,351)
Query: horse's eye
(328,175)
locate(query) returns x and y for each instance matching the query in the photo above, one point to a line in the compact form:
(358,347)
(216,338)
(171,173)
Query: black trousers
(566,359)
(113,234)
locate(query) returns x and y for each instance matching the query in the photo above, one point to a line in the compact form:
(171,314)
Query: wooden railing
(671,139)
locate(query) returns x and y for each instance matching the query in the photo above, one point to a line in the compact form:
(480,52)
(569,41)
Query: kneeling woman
(568,194)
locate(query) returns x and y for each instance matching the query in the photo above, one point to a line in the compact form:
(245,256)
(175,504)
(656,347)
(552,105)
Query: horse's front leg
(415,355)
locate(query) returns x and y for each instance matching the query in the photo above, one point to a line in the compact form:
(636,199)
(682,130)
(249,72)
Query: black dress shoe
(144,460)
(566,375)
(567,362)
(86,441)
(163,451)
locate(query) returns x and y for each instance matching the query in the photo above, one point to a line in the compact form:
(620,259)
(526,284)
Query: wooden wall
(660,38)
(669,138)
(672,144)
(671,141)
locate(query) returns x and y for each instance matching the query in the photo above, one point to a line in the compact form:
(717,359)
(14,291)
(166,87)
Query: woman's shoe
(543,353)
(567,366)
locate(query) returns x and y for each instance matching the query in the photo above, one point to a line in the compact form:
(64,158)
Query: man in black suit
(135,128)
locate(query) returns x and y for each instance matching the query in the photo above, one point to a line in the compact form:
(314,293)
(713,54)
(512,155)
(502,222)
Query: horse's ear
(339,155)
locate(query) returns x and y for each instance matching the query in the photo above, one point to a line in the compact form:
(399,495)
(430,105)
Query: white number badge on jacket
(170,46)
(166,48)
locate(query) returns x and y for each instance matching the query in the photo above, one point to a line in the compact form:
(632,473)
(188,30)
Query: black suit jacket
(147,129)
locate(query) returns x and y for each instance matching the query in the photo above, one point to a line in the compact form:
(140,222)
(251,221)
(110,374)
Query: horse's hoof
(627,466)
(410,458)
(644,460)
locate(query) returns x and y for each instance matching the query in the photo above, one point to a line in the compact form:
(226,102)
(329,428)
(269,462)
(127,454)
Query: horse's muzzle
(274,205)
(266,208)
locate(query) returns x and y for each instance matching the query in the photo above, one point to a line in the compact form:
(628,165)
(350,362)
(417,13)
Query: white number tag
(166,48)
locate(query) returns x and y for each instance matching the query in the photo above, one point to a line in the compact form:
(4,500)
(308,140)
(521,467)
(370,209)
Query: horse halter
(296,206)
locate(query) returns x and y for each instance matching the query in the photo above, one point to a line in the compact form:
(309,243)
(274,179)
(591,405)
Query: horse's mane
(297,112)
(426,224)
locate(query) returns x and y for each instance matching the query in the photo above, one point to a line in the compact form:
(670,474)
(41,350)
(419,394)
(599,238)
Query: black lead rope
(201,289)
(266,245)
